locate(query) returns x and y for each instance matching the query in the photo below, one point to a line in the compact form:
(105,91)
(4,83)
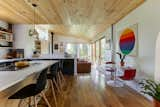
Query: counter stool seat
(25,92)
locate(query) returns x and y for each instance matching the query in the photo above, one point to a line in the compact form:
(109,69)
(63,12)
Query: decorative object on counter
(21,64)
(35,54)
(152,89)
(121,57)
(33,32)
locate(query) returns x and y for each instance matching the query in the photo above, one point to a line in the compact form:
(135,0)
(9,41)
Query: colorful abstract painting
(127,41)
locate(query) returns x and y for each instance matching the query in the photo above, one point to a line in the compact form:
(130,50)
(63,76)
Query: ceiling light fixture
(33,32)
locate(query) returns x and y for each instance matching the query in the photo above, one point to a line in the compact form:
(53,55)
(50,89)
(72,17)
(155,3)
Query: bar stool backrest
(54,68)
(42,80)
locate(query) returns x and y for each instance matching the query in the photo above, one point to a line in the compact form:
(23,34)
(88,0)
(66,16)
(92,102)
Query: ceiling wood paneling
(80,18)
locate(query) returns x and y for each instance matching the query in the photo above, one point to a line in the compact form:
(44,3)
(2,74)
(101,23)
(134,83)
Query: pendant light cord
(34,6)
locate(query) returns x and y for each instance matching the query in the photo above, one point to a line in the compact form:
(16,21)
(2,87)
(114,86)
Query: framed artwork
(56,46)
(128,40)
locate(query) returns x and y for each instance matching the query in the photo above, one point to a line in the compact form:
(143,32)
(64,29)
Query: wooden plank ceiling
(79,18)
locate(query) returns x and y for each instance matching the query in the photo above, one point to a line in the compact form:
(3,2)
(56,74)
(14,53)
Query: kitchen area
(24,56)
(17,44)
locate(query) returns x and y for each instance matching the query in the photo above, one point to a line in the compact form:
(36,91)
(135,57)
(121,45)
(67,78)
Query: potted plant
(121,57)
(152,89)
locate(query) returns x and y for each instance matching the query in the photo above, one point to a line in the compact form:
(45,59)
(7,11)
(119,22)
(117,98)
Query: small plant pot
(122,64)
(156,103)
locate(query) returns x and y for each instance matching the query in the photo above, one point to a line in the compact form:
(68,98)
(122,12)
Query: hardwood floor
(91,90)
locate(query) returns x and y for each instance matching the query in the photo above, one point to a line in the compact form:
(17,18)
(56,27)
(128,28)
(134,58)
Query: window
(108,56)
(103,49)
(97,51)
(71,49)
(84,51)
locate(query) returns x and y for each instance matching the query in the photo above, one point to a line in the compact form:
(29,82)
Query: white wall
(148,18)
(22,39)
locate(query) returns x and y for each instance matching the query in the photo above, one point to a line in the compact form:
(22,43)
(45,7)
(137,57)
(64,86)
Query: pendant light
(33,32)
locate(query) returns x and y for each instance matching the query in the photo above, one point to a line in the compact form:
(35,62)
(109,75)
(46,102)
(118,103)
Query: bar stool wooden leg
(35,101)
(57,87)
(19,104)
(59,81)
(30,101)
(62,77)
(53,93)
(45,99)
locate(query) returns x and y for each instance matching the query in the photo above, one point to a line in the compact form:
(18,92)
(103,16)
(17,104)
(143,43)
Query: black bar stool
(60,77)
(52,78)
(33,89)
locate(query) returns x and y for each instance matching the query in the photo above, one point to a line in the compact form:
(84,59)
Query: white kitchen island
(69,63)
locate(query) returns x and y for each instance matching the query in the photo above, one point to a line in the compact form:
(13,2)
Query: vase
(156,103)
(122,64)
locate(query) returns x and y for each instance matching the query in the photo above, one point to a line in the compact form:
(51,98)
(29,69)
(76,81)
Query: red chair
(129,74)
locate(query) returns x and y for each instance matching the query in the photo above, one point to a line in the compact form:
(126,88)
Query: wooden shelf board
(6,32)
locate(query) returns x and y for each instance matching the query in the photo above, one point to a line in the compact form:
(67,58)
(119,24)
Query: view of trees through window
(97,51)
(103,49)
(71,49)
(82,51)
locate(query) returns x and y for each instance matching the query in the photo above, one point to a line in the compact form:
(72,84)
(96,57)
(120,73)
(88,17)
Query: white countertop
(9,78)
(10,60)
(46,56)
(49,56)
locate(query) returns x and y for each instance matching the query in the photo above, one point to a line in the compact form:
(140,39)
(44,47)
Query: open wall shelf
(6,39)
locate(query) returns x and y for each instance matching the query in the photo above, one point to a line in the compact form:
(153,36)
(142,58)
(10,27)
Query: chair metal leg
(53,92)
(45,99)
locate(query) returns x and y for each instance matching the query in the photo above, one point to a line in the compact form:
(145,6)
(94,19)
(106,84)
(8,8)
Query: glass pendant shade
(33,32)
